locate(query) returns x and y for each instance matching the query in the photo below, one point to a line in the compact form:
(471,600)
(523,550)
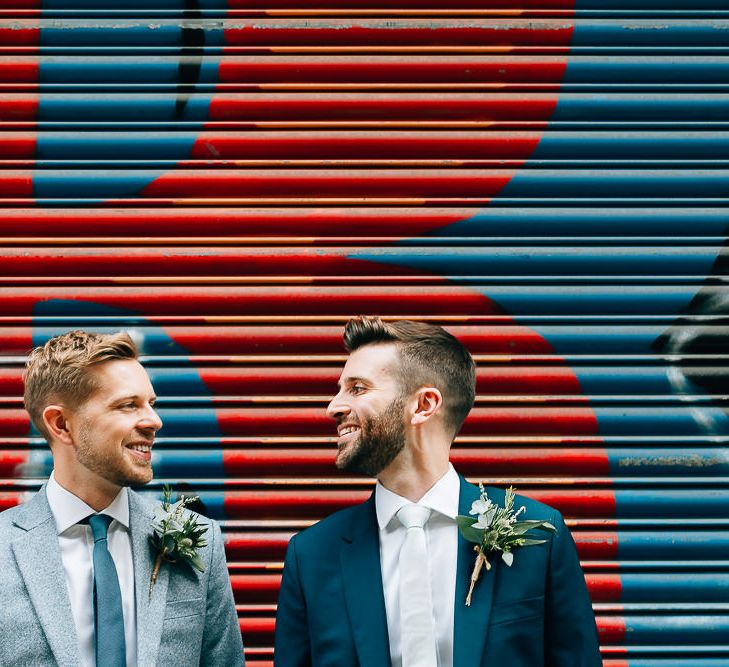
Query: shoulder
(320,536)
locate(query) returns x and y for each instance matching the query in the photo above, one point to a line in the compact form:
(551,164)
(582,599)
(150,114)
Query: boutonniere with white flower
(175,536)
(497,529)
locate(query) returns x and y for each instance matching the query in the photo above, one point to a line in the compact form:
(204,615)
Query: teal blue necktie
(108,615)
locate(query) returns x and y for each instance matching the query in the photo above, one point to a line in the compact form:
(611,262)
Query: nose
(151,420)
(337,407)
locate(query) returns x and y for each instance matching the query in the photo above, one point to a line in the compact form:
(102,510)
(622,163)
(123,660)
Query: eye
(357,389)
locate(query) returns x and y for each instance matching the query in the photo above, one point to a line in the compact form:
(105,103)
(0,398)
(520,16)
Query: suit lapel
(362,583)
(38,556)
(470,624)
(150,610)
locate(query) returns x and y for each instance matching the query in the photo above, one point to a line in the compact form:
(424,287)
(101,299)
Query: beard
(111,465)
(381,438)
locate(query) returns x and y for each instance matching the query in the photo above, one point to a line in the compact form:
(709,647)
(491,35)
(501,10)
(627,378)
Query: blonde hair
(59,370)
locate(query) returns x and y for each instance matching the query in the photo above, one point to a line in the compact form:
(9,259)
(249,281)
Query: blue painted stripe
(188,464)
(617,183)
(671,630)
(106,69)
(663,461)
(688,545)
(170,382)
(649,69)
(114,146)
(136,4)
(611,339)
(123,33)
(651,32)
(615,107)
(550,261)
(634,145)
(213,502)
(190,422)
(127,108)
(696,587)
(699,420)
(671,503)
(594,300)
(524,223)
(100,185)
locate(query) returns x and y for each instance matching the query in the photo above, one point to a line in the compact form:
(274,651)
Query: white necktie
(417,631)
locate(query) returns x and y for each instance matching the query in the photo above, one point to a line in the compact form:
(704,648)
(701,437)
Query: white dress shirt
(441,537)
(77,547)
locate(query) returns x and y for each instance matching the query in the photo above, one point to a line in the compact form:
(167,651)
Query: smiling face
(113,430)
(369,410)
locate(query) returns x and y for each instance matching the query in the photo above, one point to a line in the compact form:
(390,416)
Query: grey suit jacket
(189,620)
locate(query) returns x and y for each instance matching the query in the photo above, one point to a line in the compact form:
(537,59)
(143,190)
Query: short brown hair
(429,356)
(59,370)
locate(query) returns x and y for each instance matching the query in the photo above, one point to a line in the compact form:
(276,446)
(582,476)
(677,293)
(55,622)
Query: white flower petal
(507,557)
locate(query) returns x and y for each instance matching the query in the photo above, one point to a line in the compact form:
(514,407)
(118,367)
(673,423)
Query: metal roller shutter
(547,178)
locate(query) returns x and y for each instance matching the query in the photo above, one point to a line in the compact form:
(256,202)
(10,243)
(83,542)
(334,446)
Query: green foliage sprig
(497,529)
(175,536)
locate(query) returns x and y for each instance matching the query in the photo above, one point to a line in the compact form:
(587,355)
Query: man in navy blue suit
(385,582)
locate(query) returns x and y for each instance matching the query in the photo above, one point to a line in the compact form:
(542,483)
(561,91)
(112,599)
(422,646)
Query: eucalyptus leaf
(465,525)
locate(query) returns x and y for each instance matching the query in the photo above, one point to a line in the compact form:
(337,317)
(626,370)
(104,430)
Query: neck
(97,493)
(412,476)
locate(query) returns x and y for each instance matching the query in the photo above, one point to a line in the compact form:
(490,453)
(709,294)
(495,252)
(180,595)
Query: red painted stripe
(256,546)
(342,69)
(16,183)
(260,300)
(611,629)
(604,587)
(16,340)
(11,381)
(503,462)
(11,462)
(19,108)
(257,631)
(14,423)
(255,588)
(8,500)
(596,545)
(17,145)
(364,145)
(289,504)
(263,588)
(374,106)
(14,69)
(328,183)
(20,32)
(277,381)
(314,504)
(577,503)
(400,32)
(315,339)
(494,421)
(233,222)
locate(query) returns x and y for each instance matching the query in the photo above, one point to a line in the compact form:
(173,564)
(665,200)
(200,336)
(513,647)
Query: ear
(429,400)
(56,423)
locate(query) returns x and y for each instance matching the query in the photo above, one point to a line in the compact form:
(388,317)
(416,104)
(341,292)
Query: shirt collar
(68,509)
(442,497)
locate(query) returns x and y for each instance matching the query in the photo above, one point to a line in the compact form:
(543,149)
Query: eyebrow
(130,397)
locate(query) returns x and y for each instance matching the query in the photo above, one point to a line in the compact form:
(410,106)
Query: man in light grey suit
(74,594)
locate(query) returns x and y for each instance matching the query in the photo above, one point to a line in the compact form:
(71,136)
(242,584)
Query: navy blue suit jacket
(331,608)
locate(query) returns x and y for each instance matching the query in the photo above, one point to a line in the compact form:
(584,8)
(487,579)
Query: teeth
(348,429)
(140,448)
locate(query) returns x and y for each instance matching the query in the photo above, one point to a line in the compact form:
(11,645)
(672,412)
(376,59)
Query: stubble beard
(381,438)
(112,466)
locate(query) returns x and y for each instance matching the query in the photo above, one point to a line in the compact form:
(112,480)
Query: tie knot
(413,516)
(99,525)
